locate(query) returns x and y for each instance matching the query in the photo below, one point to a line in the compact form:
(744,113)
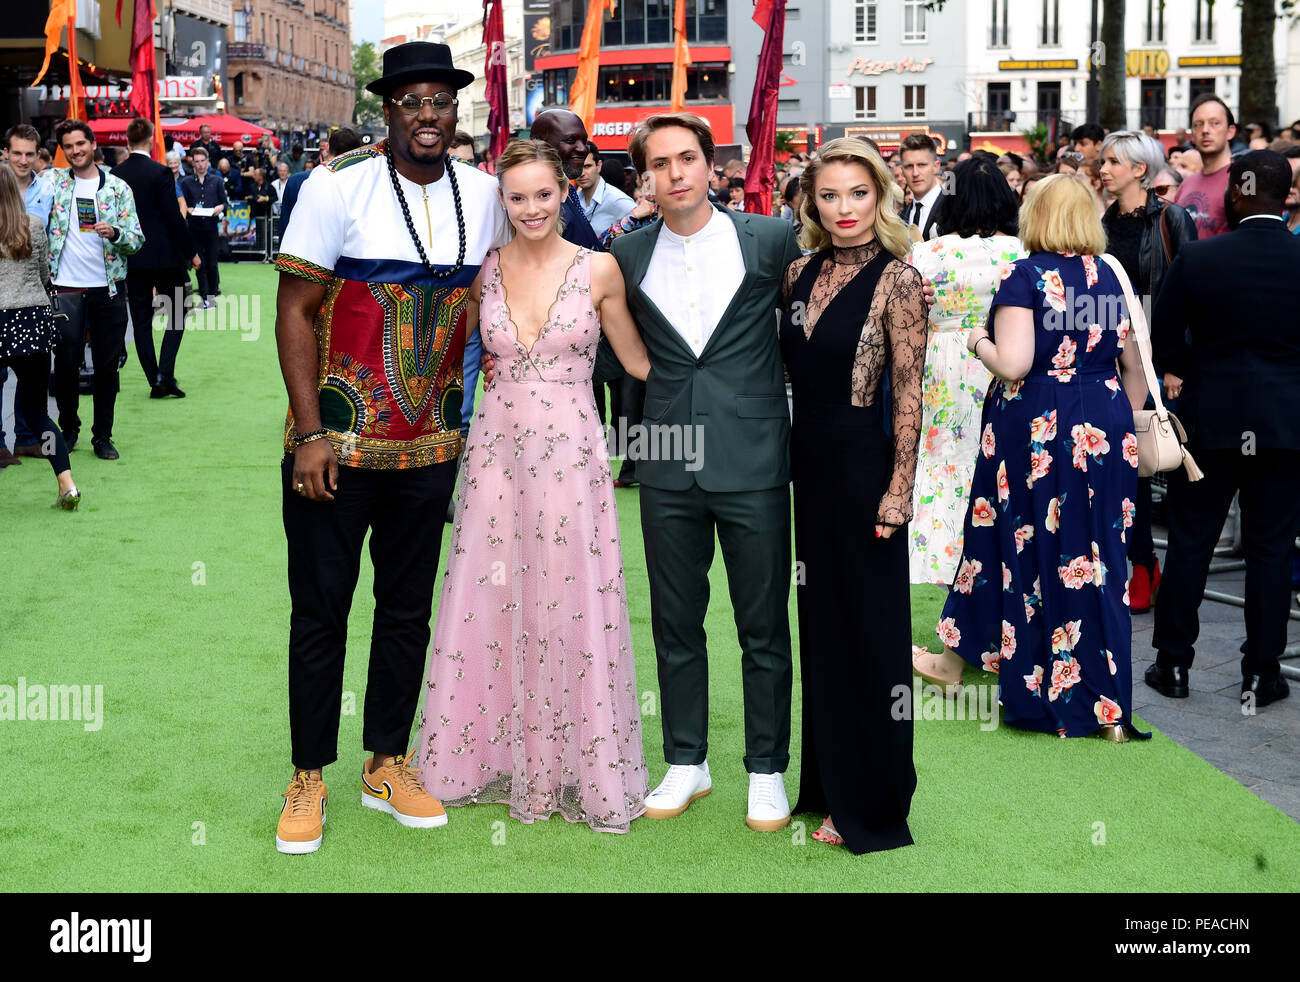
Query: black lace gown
(849,315)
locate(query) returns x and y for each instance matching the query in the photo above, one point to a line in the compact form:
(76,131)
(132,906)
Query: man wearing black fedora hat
(371,316)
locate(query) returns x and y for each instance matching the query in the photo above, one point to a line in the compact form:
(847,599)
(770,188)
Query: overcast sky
(367,21)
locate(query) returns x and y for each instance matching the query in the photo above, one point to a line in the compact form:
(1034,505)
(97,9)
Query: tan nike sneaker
(302,817)
(396,788)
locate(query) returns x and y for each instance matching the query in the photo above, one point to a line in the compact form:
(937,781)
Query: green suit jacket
(727,407)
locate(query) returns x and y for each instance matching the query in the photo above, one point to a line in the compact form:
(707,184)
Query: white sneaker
(768,808)
(681,785)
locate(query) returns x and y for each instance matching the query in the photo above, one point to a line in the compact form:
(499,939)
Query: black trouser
(33,374)
(403,510)
(90,311)
(754,530)
(1270,519)
(626,406)
(206,242)
(140,286)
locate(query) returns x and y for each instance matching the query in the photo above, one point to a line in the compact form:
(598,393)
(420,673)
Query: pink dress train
(532,695)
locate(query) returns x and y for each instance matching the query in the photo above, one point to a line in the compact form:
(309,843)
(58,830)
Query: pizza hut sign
(865,66)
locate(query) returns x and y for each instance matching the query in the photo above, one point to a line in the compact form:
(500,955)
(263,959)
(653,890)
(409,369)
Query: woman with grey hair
(1144,234)
(174,165)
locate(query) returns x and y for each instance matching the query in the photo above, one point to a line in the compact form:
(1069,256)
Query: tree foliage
(365,69)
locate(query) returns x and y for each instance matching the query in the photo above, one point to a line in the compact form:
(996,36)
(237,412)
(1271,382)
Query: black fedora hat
(418,61)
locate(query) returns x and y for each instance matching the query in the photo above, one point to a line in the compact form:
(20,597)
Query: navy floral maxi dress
(1041,594)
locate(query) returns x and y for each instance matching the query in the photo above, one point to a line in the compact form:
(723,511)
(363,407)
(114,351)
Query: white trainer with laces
(768,808)
(682,784)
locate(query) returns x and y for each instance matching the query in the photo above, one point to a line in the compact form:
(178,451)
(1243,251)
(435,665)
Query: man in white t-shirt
(372,307)
(93,228)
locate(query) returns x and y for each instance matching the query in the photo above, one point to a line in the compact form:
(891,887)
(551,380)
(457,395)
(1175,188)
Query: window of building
(1155,23)
(633,14)
(241,24)
(277,34)
(999,106)
(291,49)
(914,102)
(262,33)
(864,102)
(1203,21)
(1152,103)
(1197,87)
(1050,34)
(864,22)
(639,22)
(914,20)
(998,24)
(237,86)
(659,21)
(1049,101)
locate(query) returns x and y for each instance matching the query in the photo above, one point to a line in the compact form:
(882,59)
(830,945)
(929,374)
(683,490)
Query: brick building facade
(290,64)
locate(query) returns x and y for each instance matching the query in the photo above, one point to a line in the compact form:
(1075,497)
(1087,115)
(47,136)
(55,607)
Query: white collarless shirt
(692,278)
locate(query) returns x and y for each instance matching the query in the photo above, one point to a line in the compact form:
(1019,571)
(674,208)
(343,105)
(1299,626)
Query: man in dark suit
(920,164)
(161,263)
(1217,327)
(704,285)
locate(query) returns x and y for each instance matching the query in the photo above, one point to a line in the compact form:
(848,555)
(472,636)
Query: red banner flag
(144,73)
(760,176)
(582,100)
(681,59)
(494,72)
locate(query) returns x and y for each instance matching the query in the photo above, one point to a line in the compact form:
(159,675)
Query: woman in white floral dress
(966,264)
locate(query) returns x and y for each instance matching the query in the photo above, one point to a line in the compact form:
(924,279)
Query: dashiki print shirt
(390,335)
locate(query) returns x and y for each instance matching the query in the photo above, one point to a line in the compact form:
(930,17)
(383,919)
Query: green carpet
(168,589)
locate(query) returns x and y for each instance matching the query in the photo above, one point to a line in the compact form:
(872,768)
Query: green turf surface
(168,589)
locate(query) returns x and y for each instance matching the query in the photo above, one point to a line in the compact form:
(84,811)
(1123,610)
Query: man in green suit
(704,285)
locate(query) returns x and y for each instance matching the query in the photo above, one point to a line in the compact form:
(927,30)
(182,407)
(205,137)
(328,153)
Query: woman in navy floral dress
(1040,594)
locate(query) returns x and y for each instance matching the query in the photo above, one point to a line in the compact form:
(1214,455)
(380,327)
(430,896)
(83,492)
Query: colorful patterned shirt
(114,203)
(390,337)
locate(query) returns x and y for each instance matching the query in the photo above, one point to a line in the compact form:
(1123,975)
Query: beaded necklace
(410,225)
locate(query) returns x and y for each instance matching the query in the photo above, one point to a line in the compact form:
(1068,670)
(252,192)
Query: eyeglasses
(411,104)
(1069,155)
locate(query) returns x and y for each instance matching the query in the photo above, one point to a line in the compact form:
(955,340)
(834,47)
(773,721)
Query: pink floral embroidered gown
(531,698)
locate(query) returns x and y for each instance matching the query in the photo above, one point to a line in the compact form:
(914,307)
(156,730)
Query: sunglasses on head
(1161,189)
(1069,155)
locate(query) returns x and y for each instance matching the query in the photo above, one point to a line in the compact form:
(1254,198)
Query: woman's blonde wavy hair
(889,228)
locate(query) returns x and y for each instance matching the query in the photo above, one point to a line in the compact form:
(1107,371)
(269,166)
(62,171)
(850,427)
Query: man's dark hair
(736,182)
(138,131)
(918,141)
(988,155)
(1291,152)
(1088,131)
(594,151)
(297,149)
(461,139)
(1210,97)
(343,139)
(73,125)
(790,190)
(198,150)
(612,173)
(98,155)
(982,202)
(23,131)
(1272,176)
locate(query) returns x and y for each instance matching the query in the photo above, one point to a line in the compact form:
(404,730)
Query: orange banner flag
(582,100)
(681,59)
(61,13)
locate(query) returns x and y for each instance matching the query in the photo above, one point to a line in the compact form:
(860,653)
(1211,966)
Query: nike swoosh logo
(385,794)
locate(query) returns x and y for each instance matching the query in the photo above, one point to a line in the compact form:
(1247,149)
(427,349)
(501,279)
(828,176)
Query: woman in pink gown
(532,695)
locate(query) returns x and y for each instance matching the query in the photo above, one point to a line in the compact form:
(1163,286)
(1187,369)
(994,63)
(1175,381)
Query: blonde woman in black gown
(853,338)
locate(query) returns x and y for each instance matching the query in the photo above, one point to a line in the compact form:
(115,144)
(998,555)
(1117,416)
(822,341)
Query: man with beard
(371,314)
(564,131)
